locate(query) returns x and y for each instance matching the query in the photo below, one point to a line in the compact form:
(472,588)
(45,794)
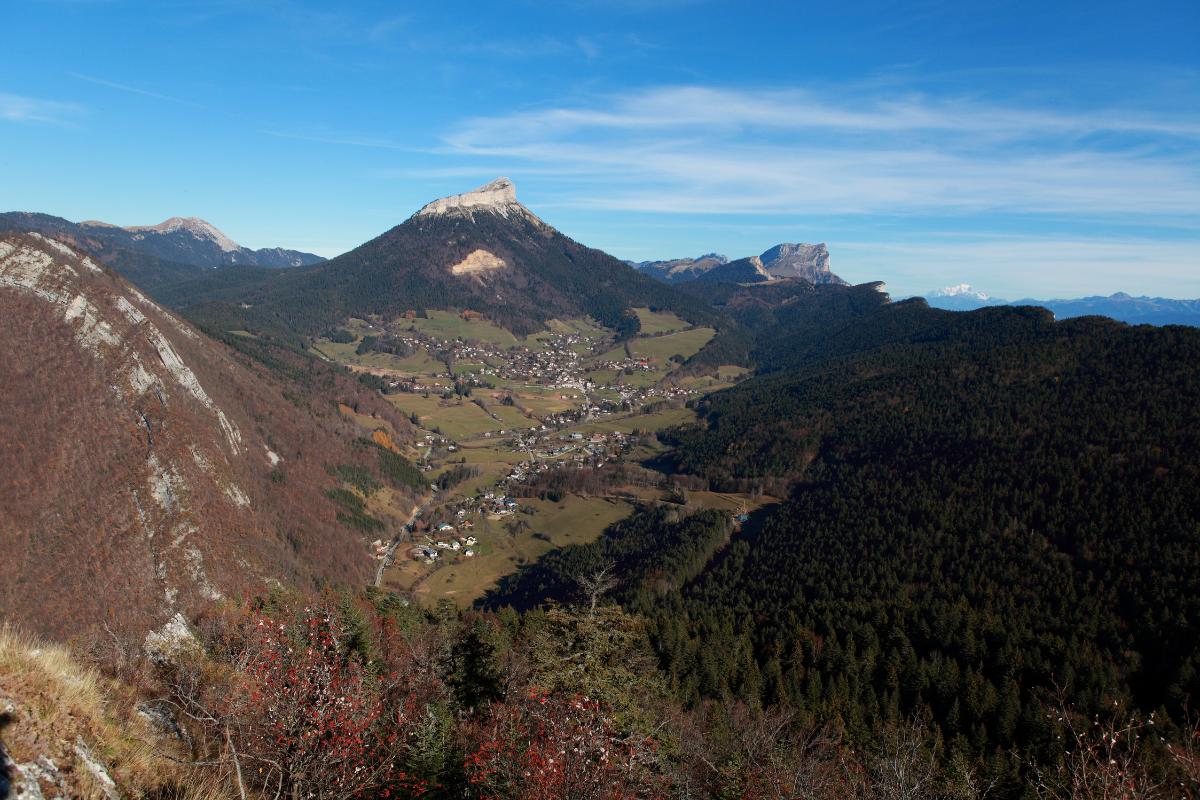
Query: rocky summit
(809,262)
(499,196)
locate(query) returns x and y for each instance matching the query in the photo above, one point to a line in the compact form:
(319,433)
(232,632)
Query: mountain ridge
(189,240)
(786,260)
(1121,306)
(481,251)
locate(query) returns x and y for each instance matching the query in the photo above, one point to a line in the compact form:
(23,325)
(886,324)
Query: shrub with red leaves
(310,720)
(544,748)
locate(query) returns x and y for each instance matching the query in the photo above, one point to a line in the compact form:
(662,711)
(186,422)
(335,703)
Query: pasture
(658,322)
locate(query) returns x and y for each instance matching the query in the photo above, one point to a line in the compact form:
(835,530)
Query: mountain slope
(144,270)
(808,262)
(744,270)
(481,251)
(150,469)
(978,506)
(190,241)
(679,269)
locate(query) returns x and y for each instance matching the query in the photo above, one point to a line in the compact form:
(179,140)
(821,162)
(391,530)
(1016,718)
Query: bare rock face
(478,261)
(807,261)
(495,195)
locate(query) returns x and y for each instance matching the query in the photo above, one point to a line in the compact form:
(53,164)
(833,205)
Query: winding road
(403,535)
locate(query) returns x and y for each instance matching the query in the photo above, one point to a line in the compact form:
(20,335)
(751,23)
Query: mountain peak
(191,240)
(962,290)
(497,195)
(197,227)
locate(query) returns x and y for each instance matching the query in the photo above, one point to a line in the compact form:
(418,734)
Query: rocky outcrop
(478,261)
(744,270)
(498,197)
(807,261)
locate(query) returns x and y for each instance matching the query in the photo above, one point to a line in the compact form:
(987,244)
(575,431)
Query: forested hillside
(981,506)
(547,275)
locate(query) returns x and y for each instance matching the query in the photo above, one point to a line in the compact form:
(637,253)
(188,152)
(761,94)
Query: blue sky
(1028,149)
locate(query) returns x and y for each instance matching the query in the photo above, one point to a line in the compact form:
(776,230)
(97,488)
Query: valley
(772,497)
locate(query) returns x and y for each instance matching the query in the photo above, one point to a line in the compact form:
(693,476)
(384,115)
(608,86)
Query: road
(400,537)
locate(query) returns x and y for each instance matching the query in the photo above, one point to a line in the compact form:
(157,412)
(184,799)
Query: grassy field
(548,402)
(580,326)
(511,417)
(573,521)
(446,325)
(456,419)
(686,344)
(651,422)
(658,322)
(388,503)
(419,363)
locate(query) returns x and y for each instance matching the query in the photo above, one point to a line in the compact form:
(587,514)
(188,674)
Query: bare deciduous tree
(596,585)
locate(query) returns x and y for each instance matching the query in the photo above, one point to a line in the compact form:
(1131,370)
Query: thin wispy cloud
(135,90)
(16,108)
(697,149)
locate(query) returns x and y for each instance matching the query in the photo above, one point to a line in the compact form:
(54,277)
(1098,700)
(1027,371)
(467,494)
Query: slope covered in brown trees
(149,468)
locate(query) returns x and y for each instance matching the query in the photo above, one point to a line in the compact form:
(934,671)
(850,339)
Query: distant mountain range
(1134,310)
(480,251)
(180,240)
(807,261)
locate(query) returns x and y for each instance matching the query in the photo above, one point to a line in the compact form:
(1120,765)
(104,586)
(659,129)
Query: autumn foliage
(542,747)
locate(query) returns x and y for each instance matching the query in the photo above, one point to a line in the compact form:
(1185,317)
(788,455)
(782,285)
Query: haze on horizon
(1029,151)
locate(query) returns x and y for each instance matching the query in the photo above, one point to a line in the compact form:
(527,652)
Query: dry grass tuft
(57,701)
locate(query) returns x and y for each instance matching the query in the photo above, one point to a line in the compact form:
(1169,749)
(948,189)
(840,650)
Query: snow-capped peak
(962,290)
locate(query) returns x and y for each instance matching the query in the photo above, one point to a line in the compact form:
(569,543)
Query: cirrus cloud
(16,108)
(705,150)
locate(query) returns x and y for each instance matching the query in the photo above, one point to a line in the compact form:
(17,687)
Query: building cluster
(459,541)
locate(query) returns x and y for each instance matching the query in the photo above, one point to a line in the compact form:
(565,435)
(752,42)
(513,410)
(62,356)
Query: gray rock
(807,261)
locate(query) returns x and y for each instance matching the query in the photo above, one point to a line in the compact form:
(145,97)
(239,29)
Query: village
(500,416)
(577,365)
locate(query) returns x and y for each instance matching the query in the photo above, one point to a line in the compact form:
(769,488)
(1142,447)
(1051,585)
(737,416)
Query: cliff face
(807,261)
(144,464)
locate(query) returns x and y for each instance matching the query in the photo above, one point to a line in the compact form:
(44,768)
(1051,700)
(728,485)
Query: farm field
(651,422)
(661,348)
(511,416)
(639,378)
(580,326)
(456,419)
(653,322)
(575,520)
(548,402)
(686,344)
(446,325)
(419,363)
